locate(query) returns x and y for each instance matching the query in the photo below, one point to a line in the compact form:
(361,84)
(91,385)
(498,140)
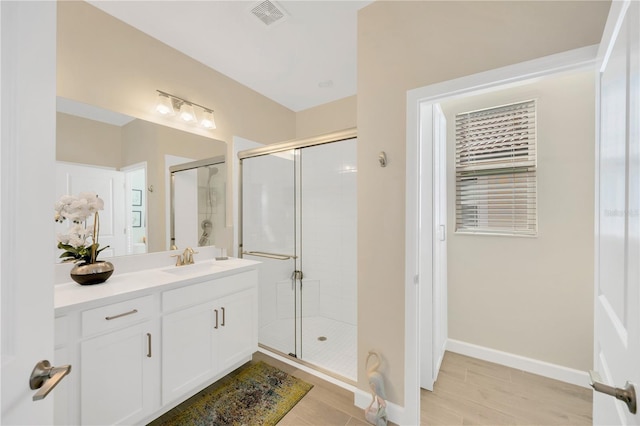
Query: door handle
(626,394)
(44,374)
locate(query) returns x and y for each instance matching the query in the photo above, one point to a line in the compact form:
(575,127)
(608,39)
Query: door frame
(419,163)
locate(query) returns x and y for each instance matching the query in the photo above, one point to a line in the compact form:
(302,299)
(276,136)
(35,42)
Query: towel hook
(382,158)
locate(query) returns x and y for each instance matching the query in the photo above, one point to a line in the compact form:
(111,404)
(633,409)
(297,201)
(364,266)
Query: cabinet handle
(216,326)
(222,317)
(148,345)
(135,311)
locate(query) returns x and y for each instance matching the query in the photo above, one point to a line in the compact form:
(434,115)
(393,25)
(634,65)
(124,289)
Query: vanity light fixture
(164,106)
(207,120)
(169,104)
(187,113)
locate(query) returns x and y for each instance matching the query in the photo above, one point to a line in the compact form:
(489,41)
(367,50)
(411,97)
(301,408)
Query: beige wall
(533,296)
(402,46)
(105,62)
(327,118)
(79,140)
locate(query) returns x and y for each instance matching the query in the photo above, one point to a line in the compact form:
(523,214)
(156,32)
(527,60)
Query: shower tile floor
(337,353)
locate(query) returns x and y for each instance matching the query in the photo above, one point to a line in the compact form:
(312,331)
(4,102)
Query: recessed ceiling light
(325,84)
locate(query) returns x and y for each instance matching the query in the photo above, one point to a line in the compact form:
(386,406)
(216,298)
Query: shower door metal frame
(280,147)
(292,145)
(220,159)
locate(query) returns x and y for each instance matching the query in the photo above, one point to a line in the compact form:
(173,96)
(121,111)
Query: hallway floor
(471,391)
(468,391)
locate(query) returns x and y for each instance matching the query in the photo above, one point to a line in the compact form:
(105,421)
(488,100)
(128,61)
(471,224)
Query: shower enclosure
(198,191)
(298,217)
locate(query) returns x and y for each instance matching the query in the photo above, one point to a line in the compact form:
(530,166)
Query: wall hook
(382,158)
(150,188)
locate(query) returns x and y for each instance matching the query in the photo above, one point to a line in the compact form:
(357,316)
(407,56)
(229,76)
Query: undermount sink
(196,268)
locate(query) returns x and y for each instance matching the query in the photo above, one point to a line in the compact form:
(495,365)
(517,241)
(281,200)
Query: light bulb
(187,113)
(164,106)
(207,120)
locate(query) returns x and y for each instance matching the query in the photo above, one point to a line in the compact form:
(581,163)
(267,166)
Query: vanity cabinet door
(117,378)
(237,336)
(187,350)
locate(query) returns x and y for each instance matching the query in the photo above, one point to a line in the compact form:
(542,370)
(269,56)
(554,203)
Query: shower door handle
(275,256)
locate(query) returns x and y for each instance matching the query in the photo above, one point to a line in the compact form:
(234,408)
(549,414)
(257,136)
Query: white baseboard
(530,365)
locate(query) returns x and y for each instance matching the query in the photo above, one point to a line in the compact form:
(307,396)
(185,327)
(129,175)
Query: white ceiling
(306,59)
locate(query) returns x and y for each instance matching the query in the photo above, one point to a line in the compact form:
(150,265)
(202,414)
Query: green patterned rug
(257,394)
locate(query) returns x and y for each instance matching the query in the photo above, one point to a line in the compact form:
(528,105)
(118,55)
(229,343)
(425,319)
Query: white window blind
(496,170)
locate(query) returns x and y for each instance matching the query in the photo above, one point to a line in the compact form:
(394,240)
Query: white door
(617,238)
(27,153)
(433,245)
(72,179)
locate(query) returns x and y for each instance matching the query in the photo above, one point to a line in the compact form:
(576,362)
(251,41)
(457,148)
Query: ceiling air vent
(269,13)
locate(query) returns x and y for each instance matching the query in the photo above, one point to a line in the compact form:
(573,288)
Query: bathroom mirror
(126,160)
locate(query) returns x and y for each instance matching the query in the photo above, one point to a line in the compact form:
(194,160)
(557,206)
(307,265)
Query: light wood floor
(468,391)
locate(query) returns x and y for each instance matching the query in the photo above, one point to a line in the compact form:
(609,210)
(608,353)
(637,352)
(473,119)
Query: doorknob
(626,394)
(44,374)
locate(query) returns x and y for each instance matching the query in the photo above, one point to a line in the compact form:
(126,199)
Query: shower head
(213,170)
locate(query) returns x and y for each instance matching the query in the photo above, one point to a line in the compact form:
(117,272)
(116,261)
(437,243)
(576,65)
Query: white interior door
(27,152)
(73,179)
(433,244)
(617,258)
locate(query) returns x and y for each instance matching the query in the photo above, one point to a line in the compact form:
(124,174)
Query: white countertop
(118,287)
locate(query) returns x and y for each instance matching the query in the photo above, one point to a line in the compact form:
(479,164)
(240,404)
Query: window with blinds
(496,170)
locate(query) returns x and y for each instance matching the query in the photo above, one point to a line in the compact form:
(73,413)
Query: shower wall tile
(329,227)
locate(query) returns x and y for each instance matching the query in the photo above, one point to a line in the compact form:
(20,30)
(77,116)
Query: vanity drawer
(208,290)
(116,315)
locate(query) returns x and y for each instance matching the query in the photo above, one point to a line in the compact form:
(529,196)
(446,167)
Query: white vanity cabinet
(205,340)
(134,359)
(237,336)
(118,362)
(117,376)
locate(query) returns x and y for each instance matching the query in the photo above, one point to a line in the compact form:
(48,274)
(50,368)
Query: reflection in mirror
(126,161)
(202,186)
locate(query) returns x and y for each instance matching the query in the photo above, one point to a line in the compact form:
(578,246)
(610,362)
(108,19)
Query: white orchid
(78,210)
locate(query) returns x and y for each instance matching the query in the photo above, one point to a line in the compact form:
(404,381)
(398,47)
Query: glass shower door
(269,236)
(299,219)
